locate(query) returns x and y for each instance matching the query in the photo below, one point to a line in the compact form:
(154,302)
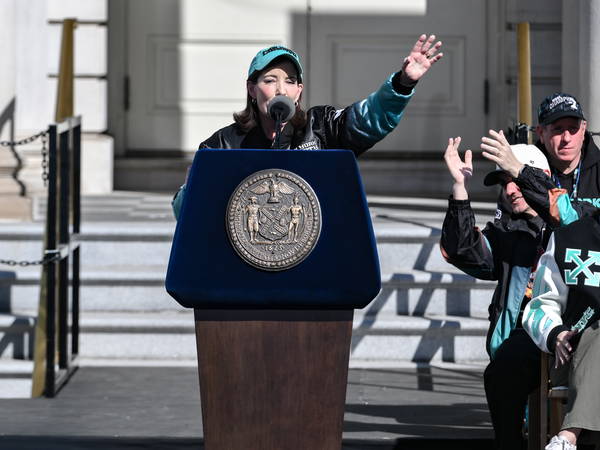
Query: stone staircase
(427,310)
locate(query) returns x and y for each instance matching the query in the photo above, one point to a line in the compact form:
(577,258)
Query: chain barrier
(53,255)
(44,150)
(43,135)
(50,256)
(27,140)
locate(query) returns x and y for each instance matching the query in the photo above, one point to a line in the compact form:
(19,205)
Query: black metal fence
(61,273)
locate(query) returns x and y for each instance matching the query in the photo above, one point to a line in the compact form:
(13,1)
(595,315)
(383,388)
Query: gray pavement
(159,408)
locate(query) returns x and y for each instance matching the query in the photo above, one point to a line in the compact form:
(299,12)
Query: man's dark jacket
(506,250)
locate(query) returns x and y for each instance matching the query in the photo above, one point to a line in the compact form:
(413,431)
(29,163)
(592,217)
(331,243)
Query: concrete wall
(8,51)
(581,56)
(560,33)
(545,18)
(36,39)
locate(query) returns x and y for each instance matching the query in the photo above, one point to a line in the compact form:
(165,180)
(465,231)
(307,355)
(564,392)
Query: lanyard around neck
(576,175)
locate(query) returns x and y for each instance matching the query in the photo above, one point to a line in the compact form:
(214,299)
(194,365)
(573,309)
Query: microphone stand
(278,121)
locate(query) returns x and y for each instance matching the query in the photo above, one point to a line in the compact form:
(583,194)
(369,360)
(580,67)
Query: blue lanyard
(576,175)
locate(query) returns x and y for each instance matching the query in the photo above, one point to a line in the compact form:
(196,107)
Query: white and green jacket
(566,291)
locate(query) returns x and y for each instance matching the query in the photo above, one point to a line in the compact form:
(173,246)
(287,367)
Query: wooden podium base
(273,379)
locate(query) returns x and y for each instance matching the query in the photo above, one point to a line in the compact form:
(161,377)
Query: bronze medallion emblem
(273,219)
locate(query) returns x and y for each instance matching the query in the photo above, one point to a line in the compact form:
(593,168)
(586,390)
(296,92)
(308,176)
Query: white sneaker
(560,443)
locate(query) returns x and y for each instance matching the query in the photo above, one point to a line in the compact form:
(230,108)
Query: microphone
(281,108)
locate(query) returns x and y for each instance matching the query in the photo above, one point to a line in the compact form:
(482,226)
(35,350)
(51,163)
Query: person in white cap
(277,71)
(506,251)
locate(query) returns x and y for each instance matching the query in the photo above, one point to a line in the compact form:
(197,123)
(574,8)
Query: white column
(34,103)
(571,73)
(581,56)
(592,65)
(13,205)
(7,53)
(8,186)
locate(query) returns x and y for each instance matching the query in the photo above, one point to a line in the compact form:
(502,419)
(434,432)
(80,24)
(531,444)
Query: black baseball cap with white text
(557,106)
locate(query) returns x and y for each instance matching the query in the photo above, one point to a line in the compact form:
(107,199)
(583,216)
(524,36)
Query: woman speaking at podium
(274,118)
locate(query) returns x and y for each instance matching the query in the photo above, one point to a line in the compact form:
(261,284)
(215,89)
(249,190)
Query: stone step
(169,336)
(385,337)
(410,293)
(118,206)
(124,268)
(114,290)
(405,246)
(16,336)
(427,310)
(15,378)
(395,254)
(420,293)
(128,206)
(103,245)
(388,338)
(402,243)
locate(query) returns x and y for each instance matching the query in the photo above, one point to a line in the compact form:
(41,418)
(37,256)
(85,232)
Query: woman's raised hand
(422,56)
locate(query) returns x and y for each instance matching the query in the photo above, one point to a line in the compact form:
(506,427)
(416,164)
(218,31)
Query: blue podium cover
(342,270)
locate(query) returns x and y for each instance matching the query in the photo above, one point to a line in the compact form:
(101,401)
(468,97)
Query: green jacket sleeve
(178,201)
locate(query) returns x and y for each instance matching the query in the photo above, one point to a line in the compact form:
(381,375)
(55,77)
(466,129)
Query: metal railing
(55,357)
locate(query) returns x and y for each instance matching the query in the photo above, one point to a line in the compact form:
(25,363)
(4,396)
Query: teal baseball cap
(264,57)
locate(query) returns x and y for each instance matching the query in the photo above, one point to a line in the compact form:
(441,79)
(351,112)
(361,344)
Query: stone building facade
(155,77)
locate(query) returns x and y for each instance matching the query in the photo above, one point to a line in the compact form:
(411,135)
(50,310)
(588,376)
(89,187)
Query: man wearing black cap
(506,250)
(574,189)
(561,131)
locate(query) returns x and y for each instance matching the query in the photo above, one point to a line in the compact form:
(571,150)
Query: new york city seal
(273,219)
